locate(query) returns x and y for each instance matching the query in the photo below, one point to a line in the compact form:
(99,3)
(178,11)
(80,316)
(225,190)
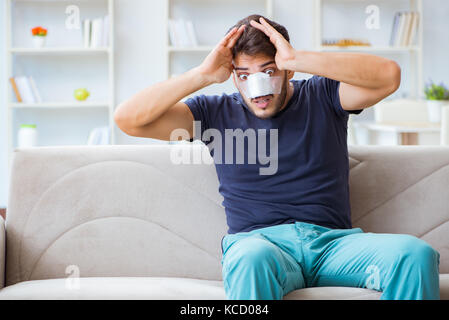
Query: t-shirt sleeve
(330,90)
(199,106)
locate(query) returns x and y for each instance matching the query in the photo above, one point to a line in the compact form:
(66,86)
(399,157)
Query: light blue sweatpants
(270,262)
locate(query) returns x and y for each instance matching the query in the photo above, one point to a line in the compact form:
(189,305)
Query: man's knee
(415,272)
(417,251)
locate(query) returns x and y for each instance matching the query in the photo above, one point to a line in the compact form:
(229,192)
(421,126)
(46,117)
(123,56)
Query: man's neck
(290,90)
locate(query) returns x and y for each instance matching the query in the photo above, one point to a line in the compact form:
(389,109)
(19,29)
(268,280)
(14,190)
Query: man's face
(267,106)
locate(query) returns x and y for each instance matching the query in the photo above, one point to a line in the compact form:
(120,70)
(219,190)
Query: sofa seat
(169,288)
(116,288)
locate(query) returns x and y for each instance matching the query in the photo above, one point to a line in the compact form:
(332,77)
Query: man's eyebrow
(261,66)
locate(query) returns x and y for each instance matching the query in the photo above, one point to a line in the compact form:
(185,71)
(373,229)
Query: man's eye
(269,71)
(243,77)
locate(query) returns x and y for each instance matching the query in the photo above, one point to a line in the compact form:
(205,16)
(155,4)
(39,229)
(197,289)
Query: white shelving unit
(51,55)
(415,51)
(198,53)
(56,51)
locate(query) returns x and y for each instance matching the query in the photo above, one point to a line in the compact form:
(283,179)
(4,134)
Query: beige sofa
(133,225)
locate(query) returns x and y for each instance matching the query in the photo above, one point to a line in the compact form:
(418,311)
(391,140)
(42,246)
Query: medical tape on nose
(260,84)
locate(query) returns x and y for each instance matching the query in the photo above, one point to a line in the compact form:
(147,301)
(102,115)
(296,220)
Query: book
(99,136)
(87,25)
(395,28)
(24,87)
(407,27)
(172,32)
(401,28)
(96,32)
(414,28)
(181,30)
(105,33)
(36,94)
(16,90)
(96,35)
(105,135)
(181,33)
(191,33)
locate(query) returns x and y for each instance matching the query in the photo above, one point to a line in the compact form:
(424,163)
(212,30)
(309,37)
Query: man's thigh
(365,260)
(255,256)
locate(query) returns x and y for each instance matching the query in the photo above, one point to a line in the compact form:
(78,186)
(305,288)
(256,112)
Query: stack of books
(405,27)
(182,33)
(96,32)
(25,89)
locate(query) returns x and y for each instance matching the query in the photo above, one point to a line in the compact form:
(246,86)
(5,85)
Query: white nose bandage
(260,84)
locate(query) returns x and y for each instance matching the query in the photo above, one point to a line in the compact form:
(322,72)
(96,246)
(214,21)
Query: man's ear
(233,79)
(290,74)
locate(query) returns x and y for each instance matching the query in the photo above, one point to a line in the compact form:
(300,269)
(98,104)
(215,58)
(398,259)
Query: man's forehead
(247,63)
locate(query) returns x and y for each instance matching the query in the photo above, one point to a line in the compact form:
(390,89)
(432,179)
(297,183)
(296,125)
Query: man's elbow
(394,75)
(121,121)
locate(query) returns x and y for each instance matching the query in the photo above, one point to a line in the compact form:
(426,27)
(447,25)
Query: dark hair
(253,41)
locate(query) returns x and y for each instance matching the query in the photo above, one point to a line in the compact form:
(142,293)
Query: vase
(434,108)
(39,41)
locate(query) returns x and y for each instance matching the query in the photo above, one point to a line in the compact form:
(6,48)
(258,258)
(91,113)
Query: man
(291,228)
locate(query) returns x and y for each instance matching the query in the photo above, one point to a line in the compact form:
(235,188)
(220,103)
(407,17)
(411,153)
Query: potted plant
(437,96)
(39,35)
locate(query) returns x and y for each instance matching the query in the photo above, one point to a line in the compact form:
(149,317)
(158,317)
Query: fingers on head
(230,33)
(261,27)
(235,36)
(226,38)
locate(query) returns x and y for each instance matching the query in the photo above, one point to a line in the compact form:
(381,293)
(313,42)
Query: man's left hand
(284,51)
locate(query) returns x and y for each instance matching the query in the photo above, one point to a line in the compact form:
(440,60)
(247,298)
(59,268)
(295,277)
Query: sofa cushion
(116,288)
(169,288)
(333,293)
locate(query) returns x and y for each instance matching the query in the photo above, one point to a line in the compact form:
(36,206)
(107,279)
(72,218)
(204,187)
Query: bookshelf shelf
(68,62)
(369,49)
(59,50)
(60,105)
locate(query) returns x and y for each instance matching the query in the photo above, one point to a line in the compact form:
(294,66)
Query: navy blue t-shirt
(309,182)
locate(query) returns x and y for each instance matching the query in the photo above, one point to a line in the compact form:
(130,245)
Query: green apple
(81,94)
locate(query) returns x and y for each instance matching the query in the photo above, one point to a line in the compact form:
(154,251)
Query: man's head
(253,52)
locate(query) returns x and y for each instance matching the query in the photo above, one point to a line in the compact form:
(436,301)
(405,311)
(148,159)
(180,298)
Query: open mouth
(263,101)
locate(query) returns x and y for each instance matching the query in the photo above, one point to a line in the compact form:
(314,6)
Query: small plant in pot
(437,96)
(39,36)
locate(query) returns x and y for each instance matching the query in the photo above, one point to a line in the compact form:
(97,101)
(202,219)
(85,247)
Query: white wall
(140,60)
(3,122)
(436,40)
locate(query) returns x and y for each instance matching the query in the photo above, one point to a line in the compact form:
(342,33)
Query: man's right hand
(217,67)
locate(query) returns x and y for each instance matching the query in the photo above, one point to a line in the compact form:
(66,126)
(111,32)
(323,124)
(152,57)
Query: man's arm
(364,79)
(157,110)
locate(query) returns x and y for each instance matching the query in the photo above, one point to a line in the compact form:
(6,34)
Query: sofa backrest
(128,210)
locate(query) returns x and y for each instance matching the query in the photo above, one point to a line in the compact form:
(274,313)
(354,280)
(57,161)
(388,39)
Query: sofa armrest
(2,252)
